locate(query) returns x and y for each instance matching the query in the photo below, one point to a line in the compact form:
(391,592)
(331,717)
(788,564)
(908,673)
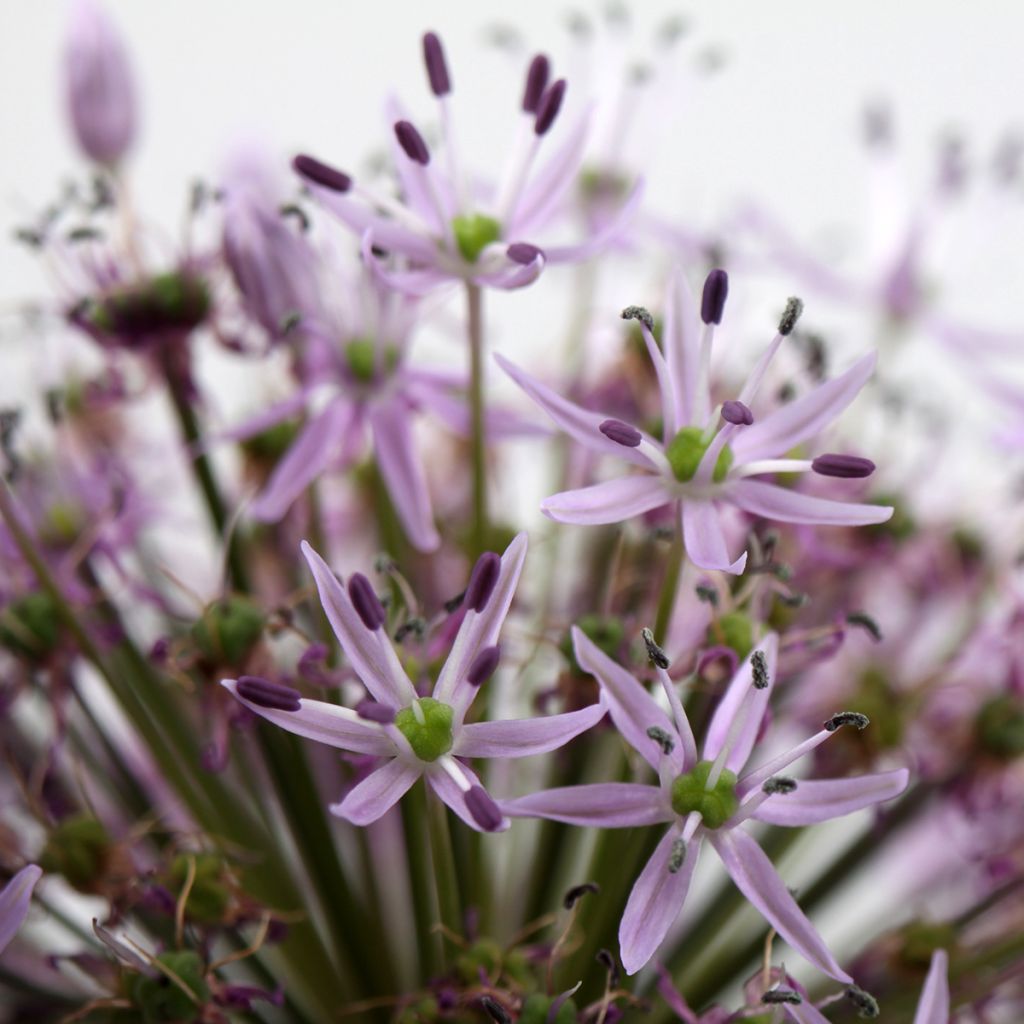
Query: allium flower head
(709,456)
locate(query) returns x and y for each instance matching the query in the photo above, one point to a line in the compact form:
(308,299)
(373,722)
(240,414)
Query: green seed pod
(162,1001)
(228,631)
(716,805)
(209,897)
(473,233)
(535,1010)
(686,450)
(30,627)
(605,631)
(999,727)
(735,631)
(427,725)
(79,848)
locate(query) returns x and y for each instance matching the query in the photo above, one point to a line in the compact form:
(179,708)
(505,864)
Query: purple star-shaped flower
(706,796)
(14,902)
(709,457)
(417,736)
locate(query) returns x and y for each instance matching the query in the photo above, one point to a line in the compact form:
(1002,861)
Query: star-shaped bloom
(444,227)
(14,902)
(706,796)
(709,456)
(414,735)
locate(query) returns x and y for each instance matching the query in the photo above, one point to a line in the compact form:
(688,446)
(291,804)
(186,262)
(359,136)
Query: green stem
(421,881)
(475,335)
(445,877)
(669,587)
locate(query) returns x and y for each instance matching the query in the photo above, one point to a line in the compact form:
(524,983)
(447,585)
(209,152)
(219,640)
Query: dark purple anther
(412,142)
(365,601)
(267,694)
(849,467)
(536,83)
(482,581)
(712,303)
(734,411)
(437,67)
(523,252)
(374,711)
(483,665)
(621,433)
(320,173)
(485,811)
(548,106)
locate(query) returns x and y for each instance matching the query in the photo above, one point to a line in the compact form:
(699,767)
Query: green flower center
(172,301)
(1000,727)
(473,233)
(361,356)
(716,805)
(427,725)
(686,450)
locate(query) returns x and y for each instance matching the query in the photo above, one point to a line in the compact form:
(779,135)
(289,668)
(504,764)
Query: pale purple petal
(787,506)
(369,651)
(378,792)
(613,501)
(654,903)
(705,540)
(447,789)
(823,799)
(742,698)
(602,805)
(14,902)
(402,470)
(803,418)
(522,737)
(758,880)
(681,340)
(632,708)
(269,417)
(509,274)
(326,723)
(934,1005)
(805,1013)
(609,233)
(386,233)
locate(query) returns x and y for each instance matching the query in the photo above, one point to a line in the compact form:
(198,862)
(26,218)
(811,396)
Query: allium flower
(417,736)
(444,226)
(100,88)
(706,796)
(934,1005)
(14,902)
(709,457)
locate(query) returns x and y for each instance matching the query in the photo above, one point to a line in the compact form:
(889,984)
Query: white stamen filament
(750,389)
(682,723)
(735,727)
(764,466)
(657,456)
(760,775)
(520,160)
(417,711)
(400,214)
(455,772)
(692,824)
(454,170)
(665,385)
(701,395)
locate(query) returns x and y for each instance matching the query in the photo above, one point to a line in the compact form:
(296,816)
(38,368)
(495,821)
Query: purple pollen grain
(412,142)
(712,303)
(847,467)
(734,411)
(437,66)
(523,252)
(548,106)
(621,433)
(536,82)
(374,711)
(483,665)
(482,581)
(365,601)
(320,173)
(485,811)
(267,694)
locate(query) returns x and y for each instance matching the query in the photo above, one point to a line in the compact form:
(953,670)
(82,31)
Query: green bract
(473,233)
(430,732)
(686,450)
(716,805)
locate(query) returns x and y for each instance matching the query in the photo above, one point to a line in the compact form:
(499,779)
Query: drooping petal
(758,880)
(454,796)
(378,792)
(654,902)
(369,651)
(822,799)
(326,723)
(601,805)
(14,902)
(681,339)
(402,470)
(933,1007)
(786,506)
(523,737)
(578,423)
(704,538)
(508,274)
(803,418)
(744,699)
(613,501)
(632,708)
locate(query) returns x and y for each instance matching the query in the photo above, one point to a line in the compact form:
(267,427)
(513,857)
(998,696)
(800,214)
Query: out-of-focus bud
(100,87)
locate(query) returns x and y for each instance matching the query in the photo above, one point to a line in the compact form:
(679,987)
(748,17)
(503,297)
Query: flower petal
(447,789)
(326,723)
(602,805)
(817,800)
(369,650)
(506,273)
(705,540)
(613,501)
(386,232)
(607,235)
(525,736)
(378,792)
(632,708)
(14,902)
(758,880)
(934,1005)
(805,1013)
(654,902)
(269,417)
(786,506)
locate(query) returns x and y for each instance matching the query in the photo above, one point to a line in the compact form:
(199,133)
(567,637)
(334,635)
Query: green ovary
(473,233)
(430,732)
(361,356)
(686,450)
(716,805)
